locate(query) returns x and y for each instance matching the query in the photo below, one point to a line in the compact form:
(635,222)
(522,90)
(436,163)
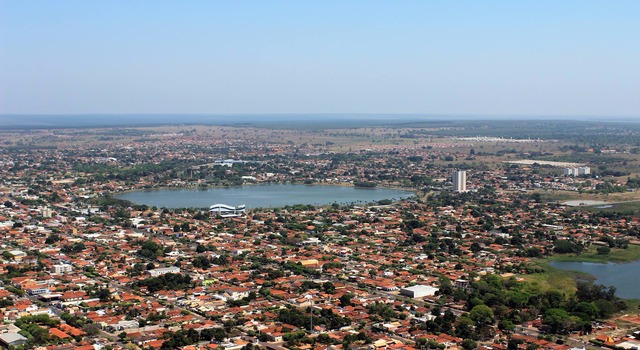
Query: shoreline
(565,280)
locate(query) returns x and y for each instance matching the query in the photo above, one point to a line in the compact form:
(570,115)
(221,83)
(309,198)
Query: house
(237,293)
(61,268)
(37,290)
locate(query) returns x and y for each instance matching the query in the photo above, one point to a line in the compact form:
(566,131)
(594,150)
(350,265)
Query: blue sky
(543,57)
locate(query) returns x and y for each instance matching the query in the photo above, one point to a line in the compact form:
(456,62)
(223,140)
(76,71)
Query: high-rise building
(460,181)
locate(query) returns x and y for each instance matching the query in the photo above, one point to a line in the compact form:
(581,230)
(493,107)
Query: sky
(520,58)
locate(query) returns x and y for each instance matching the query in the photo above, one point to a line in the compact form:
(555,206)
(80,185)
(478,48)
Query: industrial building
(419,291)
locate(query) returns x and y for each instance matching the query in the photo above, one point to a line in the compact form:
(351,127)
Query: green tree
(559,320)
(482,315)
(469,344)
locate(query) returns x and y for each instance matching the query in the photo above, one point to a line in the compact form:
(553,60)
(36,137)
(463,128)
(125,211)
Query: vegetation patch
(591,254)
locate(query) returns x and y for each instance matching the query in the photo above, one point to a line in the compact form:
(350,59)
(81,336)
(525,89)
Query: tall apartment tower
(460,181)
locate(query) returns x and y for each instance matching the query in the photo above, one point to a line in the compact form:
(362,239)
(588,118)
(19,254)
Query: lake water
(625,277)
(262,196)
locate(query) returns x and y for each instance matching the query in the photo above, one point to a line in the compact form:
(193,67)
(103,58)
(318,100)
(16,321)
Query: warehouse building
(419,291)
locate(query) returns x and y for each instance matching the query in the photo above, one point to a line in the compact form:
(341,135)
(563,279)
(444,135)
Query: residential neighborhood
(82,269)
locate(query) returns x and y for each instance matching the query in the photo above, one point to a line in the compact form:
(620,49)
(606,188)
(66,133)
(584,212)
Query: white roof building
(419,291)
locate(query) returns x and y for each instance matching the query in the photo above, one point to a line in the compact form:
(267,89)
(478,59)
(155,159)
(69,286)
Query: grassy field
(633,306)
(617,255)
(627,200)
(631,206)
(555,279)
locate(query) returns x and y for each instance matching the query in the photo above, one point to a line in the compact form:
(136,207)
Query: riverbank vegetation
(506,302)
(550,278)
(591,254)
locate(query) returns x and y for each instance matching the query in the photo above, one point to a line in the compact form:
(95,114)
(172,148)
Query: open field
(590,255)
(633,307)
(630,198)
(616,207)
(555,279)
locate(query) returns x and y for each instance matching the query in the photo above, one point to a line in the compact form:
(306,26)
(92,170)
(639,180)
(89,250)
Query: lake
(625,277)
(262,196)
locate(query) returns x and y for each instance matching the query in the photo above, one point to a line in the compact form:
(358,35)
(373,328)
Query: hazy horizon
(26,121)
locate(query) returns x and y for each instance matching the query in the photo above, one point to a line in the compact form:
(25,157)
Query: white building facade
(460,181)
(583,170)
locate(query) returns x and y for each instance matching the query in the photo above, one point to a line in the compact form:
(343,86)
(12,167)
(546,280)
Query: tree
(506,325)
(482,315)
(91,329)
(513,344)
(7,255)
(52,239)
(104,294)
(201,262)
(464,327)
(563,246)
(559,320)
(265,292)
(345,299)
(469,344)
(151,249)
(328,288)
(324,338)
